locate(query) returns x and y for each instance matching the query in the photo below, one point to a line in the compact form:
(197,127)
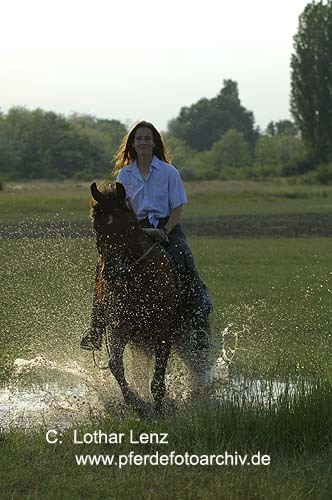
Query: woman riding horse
(155,192)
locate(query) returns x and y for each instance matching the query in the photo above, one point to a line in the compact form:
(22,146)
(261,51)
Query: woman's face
(143,142)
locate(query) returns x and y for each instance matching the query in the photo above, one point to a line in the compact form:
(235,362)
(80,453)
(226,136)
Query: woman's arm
(174,219)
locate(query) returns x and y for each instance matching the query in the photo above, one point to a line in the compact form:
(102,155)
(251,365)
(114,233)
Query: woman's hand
(156,234)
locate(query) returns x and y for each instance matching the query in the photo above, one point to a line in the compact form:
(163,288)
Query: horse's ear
(96,194)
(120,191)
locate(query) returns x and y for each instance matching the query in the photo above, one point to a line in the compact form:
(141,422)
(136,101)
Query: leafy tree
(280,154)
(280,127)
(46,144)
(266,153)
(202,167)
(39,144)
(289,148)
(203,123)
(311,79)
(104,134)
(323,173)
(182,156)
(270,129)
(231,151)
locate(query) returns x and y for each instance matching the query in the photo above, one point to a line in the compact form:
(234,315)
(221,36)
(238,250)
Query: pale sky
(143,59)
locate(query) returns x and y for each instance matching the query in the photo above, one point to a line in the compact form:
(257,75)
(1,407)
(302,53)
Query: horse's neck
(139,242)
(135,246)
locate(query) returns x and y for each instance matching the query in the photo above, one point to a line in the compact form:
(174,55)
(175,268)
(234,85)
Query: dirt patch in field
(255,226)
(236,226)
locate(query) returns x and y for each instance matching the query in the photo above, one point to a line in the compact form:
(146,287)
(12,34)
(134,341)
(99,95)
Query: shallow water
(45,393)
(260,392)
(50,404)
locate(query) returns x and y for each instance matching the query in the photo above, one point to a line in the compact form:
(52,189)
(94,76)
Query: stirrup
(91,341)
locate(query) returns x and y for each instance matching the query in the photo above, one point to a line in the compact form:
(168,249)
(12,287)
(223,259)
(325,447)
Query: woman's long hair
(127,154)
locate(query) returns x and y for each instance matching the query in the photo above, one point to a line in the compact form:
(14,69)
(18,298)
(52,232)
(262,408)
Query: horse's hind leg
(158,387)
(197,362)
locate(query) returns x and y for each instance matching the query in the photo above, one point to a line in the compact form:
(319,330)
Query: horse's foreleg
(158,387)
(116,366)
(117,369)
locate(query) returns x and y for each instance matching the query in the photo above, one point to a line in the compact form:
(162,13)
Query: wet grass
(275,294)
(44,201)
(272,295)
(69,200)
(47,289)
(294,435)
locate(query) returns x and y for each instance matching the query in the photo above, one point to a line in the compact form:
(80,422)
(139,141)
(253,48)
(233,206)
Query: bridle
(126,266)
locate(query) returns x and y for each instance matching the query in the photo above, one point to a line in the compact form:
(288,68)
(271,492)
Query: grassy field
(272,294)
(70,200)
(296,442)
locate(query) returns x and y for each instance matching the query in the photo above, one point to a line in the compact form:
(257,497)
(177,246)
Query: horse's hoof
(143,409)
(158,408)
(166,407)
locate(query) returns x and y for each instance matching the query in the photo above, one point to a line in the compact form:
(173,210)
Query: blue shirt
(158,195)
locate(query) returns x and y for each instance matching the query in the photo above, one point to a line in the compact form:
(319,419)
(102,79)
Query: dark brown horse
(136,289)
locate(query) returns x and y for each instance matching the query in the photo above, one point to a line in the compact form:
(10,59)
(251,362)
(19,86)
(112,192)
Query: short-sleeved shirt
(158,195)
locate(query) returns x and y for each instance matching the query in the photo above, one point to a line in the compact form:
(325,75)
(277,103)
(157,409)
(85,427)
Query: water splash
(46,300)
(47,392)
(50,404)
(42,391)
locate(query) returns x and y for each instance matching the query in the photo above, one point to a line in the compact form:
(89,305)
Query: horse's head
(110,214)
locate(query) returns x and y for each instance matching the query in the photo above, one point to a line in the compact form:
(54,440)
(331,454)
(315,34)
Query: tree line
(41,144)
(211,139)
(218,139)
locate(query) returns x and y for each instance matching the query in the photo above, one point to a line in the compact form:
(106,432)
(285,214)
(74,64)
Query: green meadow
(272,301)
(274,294)
(69,200)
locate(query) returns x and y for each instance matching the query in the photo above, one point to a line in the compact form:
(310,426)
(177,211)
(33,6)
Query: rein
(145,254)
(125,267)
